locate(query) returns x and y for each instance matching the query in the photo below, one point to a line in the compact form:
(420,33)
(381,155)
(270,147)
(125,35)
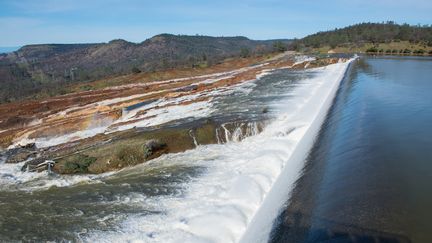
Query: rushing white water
(12,178)
(158,112)
(245,182)
(239,185)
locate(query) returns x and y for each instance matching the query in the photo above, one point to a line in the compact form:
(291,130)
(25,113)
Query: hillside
(48,67)
(382,37)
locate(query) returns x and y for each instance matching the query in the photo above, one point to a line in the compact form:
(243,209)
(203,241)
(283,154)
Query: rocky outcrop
(21,153)
(118,150)
(38,165)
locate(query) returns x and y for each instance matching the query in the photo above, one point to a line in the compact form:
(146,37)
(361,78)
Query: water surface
(137,202)
(369,176)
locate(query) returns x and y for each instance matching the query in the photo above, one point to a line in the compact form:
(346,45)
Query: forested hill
(368,33)
(47,67)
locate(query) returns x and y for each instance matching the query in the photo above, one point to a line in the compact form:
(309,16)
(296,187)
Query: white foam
(245,183)
(210,77)
(302,59)
(163,115)
(12,178)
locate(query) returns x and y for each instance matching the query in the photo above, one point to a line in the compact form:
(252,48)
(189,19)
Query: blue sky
(82,21)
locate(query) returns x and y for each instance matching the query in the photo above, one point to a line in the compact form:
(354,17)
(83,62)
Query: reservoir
(368,177)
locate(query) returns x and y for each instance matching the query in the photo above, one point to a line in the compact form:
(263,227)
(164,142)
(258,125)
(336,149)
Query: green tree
(244,52)
(135,70)
(279,46)
(372,50)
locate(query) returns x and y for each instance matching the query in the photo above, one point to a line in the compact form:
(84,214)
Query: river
(212,193)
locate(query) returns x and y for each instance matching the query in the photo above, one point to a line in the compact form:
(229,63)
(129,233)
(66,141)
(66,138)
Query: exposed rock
(21,154)
(153,146)
(38,165)
(187,88)
(29,146)
(134,147)
(113,151)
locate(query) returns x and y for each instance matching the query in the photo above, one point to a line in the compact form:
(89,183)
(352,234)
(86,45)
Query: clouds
(42,21)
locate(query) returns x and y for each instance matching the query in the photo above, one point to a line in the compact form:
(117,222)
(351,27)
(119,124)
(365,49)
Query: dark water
(68,213)
(369,175)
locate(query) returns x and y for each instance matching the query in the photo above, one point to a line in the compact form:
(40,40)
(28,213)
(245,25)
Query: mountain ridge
(34,68)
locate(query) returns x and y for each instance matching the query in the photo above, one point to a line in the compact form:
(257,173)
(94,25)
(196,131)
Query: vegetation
(37,71)
(279,46)
(245,52)
(378,38)
(136,70)
(130,155)
(78,164)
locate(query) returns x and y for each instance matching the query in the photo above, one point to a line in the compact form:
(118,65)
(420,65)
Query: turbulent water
(369,176)
(213,193)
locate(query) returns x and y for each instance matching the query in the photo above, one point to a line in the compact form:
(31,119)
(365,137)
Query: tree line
(385,32)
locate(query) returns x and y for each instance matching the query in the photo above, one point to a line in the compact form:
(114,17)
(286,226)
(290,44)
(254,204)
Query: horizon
(8,49)
(66,22)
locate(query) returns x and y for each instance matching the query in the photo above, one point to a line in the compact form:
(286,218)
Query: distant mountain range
(36,67)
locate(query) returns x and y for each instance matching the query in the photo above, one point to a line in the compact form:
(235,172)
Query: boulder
(153,146)
(20,154)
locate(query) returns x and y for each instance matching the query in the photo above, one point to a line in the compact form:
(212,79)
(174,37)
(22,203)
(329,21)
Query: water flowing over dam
(225,192)
(368,177)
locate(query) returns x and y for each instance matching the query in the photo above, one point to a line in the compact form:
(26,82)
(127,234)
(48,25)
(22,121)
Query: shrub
(407,51)
(244,52)
(278,46)
(135,70)
(372,50)
(129,155)
(79,163)
(388,51)
(86,88)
